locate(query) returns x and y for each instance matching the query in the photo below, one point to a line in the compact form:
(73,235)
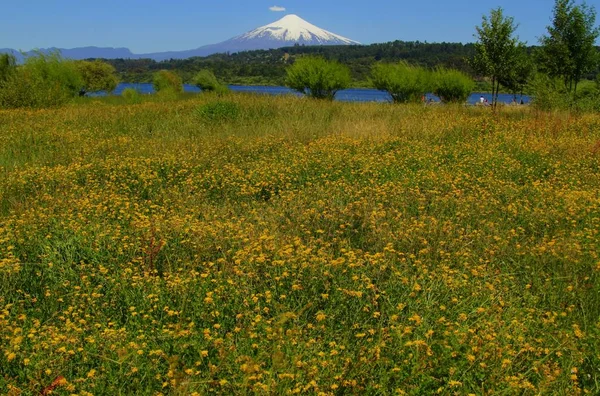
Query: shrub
(317,77)
(45,80)
(452,86)
(8,67)
(405,83)
(207,81)
(97,76)
(131,96)
(217,112)
(549,93)
(165,80)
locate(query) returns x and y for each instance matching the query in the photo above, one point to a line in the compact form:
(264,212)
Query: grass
(297,246)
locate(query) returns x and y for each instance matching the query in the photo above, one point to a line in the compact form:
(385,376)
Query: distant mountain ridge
(286,32)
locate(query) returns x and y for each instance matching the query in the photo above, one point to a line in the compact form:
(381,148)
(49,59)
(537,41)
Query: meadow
(241,244)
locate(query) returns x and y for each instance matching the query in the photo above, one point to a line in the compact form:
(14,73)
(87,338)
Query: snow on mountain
(286,32)
(292,29)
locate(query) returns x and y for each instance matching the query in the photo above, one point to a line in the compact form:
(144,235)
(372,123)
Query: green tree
(8,66)
(317,77)
(205,80)
(452,86)
(404,82)
(568,51)
(520,74)
(97,76)
(496,49)
(167,81)
(44,80)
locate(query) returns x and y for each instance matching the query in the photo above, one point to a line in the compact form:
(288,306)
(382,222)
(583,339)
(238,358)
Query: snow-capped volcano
(289,30)
(292,29)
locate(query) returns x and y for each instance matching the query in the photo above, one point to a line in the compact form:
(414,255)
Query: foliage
(452,86)
(404,82)
(206,81)
(97,76)
(167,81)
(496,50)
(568,51)
(317,77)
(217,112)
(268,67)
(549,93)
(8,67)
(588,96)
(335,248)
(131,95)
(517,77)
(45,80)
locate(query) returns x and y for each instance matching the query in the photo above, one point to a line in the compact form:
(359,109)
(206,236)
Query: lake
(346,95)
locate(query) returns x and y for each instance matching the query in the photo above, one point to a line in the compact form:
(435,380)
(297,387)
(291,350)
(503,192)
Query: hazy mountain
(286,32)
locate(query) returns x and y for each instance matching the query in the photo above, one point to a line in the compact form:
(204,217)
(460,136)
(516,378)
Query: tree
(44,80)
(8,66)
(167,81)
(568,51)
(97,76)
(404,83)
(496,50)
(519,75)
(452,86)
(317,77)
(206,81)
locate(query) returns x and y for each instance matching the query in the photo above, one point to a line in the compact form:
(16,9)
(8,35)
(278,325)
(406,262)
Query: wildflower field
(276,245)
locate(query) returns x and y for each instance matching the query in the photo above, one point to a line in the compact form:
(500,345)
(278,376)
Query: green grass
(244,244)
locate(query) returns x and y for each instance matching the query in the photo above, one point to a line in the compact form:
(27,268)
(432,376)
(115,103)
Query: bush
(165,80)
(131,95)
(405,83)
(207,81)
(451,86)
(317,77)
(97,76)
(45,80)
(8,67)
(217,112)
(549,93)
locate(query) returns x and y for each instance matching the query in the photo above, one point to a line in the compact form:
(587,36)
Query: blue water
(347,95)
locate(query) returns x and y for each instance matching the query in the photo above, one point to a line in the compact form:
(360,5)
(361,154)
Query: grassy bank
(278,245)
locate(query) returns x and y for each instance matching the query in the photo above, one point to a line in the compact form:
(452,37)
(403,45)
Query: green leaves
(405,83)
(205,80)
(568,50)
(497,49)
(166,80)
(97,76)
(317,77)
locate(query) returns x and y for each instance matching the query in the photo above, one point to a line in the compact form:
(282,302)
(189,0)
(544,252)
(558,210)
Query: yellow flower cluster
(299,247)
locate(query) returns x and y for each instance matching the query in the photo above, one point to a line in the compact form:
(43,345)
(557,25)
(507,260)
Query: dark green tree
(497,49)
(8,66)
(568,50)
(520,74)
(317,77)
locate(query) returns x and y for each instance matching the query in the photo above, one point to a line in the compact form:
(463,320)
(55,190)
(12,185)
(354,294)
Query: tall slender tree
(568,50)
(497,49)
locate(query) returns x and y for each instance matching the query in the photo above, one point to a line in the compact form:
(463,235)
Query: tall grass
(297,247)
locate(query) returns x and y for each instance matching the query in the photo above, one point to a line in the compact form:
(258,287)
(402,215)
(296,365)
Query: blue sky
(153,25)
